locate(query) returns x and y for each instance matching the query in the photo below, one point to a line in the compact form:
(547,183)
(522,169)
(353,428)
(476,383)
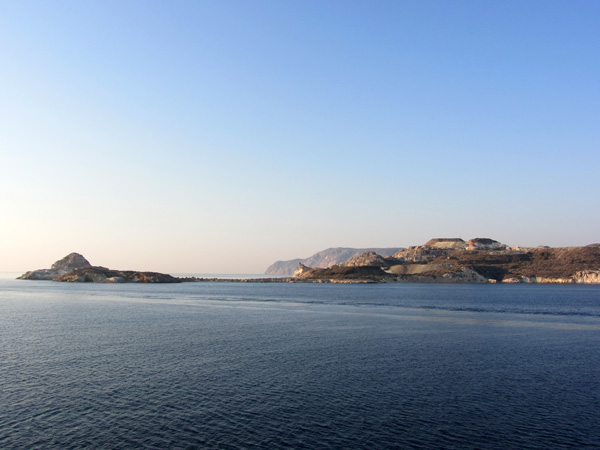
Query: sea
(214,365)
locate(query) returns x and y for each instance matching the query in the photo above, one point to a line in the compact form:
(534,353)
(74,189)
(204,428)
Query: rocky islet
(75,268)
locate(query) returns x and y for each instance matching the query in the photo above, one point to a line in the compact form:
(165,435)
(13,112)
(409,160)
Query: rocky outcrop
(449,243)
(369,259)
(484,244)
(439,273)
(67,264)
(422,253)
(70,262)
(580,277)
(338,273)
(75,268)
(432,249)
(435,248)
(301,270)
(325,258)
(587,276)
(40,274)
(420,269)
(464,275)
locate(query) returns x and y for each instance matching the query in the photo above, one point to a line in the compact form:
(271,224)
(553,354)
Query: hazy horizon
(222,136)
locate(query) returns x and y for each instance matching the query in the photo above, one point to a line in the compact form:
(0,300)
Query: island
(75,268)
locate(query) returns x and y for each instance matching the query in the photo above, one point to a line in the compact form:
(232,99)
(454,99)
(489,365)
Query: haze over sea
(242,366)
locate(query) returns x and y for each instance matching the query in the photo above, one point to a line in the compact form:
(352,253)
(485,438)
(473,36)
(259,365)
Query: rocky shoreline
(440,260)
(479,260)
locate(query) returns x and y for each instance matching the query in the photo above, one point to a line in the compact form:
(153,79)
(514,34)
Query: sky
(221,136)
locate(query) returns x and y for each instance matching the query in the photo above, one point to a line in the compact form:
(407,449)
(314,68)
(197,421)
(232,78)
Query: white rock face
(447,243)
(484,244)
(587,277)
(581,277)
(300,270)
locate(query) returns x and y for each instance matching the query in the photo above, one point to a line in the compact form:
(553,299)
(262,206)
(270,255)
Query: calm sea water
(298,366)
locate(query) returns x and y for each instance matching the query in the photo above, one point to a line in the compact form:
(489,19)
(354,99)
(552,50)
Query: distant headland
(440,260)
(325,258)
(453,260)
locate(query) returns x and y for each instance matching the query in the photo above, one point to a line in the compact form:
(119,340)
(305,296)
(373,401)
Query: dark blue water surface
(298,366)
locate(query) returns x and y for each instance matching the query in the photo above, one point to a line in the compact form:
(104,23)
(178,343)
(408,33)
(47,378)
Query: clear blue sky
(220,136)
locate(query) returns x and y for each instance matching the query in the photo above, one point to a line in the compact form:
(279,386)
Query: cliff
(325,258)
(301,271)
(283,267)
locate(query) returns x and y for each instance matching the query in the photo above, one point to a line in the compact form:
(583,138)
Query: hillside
(520,265)
(479,260)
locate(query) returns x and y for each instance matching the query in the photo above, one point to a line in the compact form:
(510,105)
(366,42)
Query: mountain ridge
(325,258)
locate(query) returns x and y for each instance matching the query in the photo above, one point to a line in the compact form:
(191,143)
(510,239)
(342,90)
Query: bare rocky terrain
(480,260)
(440,260)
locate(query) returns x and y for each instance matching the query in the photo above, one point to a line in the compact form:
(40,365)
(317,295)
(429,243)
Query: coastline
(438,261)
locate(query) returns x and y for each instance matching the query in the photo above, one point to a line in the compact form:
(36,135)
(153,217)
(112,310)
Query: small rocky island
(75,268)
